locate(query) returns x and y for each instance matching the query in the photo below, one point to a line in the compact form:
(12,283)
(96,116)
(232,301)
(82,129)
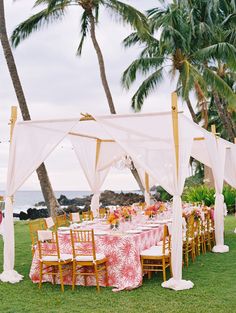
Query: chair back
(48,244)
(49,223)
(83,243)
(190,226)
(61,220)
(166,246)
(87,215)
(75,217)
(103,212)
(34,226)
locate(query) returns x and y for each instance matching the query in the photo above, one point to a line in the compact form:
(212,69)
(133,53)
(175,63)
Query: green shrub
(230,198)
(199,194)
(206,195)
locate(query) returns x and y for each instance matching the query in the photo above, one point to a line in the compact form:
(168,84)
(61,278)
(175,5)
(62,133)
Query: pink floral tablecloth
(123,255)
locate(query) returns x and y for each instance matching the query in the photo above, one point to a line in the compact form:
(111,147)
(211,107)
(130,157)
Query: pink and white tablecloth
(122,252)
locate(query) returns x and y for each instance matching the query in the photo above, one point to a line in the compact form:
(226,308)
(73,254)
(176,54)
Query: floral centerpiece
(114,218)
(127,213)
(153,210)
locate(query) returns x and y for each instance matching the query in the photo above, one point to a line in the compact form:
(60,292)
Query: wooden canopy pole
(175,122)
(147,186)
(98,147)
(12,120)
(235,140)
(12,124)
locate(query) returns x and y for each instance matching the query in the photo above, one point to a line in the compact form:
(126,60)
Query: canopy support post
(176,282)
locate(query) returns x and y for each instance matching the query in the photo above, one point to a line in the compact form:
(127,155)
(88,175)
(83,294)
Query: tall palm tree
(178,49)
(56,9)
(46,187)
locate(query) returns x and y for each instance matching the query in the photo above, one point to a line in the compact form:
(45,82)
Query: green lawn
(214,276)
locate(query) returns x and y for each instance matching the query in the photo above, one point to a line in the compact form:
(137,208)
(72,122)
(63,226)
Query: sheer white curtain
(217,154)
(31,144)
(230,164)
(152,148)
(92,155)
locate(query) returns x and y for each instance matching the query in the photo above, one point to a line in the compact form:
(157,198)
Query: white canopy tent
(160,144)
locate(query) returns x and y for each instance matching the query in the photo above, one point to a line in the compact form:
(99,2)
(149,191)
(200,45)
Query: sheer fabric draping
(92,155)
(31,145)
(152,148)
(151,182)
(217,154)
(230,163)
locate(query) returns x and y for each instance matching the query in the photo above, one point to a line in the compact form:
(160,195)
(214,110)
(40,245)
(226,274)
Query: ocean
(24,200)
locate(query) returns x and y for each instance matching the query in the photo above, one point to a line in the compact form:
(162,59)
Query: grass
(214,276)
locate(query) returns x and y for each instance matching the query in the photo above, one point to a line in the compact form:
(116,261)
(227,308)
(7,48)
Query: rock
(23,216)
(37,213)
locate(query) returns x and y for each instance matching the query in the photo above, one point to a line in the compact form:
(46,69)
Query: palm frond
(35,22)
(222,51)
(84,31)
(218,84)
(142,66)
(146,88)
(129,15)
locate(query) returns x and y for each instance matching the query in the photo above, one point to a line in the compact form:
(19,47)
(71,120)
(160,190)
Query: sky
(59,84)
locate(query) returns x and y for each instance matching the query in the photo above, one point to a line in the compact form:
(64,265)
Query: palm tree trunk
(105,83)
(46,187)
(190,107)
(221,112)
(101,64)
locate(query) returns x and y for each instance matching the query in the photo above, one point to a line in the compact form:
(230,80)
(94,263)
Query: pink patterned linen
(122,252)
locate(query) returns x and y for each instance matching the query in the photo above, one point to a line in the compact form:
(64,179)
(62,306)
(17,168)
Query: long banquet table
(122,252)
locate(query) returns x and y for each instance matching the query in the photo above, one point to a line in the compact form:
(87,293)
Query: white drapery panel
(151,182)
(217,154)
(88,153)
(230,163)
(153,149)
(36,141)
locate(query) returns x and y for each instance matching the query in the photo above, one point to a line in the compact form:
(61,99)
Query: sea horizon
(25,199)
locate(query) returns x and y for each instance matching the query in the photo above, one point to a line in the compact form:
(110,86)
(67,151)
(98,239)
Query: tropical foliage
(193,42)
(203,194)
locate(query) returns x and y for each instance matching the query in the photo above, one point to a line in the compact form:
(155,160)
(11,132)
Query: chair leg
(164,268)
(106,274)
(40,274)
(61,277)
(96,276)
(171,273)
(73,275)
(54,275)
(149,275)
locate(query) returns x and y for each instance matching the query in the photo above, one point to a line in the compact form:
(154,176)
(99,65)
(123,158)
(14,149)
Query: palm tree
(178,49)
(47,191)
(215,29)
(56,9)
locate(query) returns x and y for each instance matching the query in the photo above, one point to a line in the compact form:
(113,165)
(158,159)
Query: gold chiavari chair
(189,239)
(61,220)
(158,258)
(49,223)
(209,231)
(88,215)
(97,262)
(75,217)
(200,236)
(34,226)
(103,212)
(52,262)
